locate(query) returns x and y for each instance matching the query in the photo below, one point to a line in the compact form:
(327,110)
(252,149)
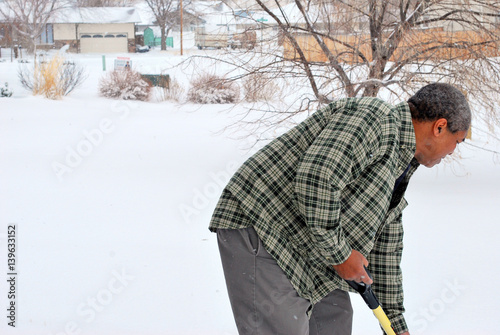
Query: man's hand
(405,333)
(353,268)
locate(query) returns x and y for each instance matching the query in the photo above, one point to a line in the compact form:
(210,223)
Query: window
(121,35)
(97,36)
(109,36)
(47,35)
(86,36)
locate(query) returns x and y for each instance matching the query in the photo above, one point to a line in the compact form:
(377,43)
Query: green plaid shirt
(326,187)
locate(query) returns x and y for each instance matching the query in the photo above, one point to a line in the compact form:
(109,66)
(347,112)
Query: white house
(96,29)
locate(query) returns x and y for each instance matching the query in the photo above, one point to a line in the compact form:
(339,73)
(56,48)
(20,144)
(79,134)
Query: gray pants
(262,298)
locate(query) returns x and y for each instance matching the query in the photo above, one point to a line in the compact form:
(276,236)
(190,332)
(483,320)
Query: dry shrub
(53,78)
(174,92)
(46,78)
(259,87)
(212,89)
(124,84)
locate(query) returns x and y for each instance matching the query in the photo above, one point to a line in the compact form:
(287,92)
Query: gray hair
(439,100)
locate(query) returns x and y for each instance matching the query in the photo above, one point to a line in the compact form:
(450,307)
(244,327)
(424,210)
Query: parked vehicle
(142,48)
(219,40)
(213,39)
(246,40)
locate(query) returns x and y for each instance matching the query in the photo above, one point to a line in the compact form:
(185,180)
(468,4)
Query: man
(315,206)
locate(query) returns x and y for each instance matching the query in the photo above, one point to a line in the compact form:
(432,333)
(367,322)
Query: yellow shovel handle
(384,321)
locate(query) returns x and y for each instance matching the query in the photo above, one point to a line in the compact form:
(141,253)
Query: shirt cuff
(338,255)
(398,323)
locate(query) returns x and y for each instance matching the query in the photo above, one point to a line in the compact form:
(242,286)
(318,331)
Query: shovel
(371,300)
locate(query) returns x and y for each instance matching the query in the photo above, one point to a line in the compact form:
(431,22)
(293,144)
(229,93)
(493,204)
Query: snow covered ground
(111,202)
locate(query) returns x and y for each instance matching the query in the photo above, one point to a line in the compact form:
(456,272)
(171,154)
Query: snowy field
(111,201)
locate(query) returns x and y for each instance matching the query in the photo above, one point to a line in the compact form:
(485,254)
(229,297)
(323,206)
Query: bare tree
(383,27)
(29,17)
(346,48)
(167,15)
(105,3)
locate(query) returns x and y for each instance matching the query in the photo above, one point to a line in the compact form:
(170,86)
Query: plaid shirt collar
(407,141)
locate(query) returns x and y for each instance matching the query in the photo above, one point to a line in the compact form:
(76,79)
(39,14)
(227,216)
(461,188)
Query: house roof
(147,16)
(97,15)
(292,14)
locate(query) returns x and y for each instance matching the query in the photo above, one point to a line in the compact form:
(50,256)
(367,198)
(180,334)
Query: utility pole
(261,20)
(182,23)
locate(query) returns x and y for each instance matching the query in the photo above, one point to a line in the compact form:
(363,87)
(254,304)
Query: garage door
(106,43)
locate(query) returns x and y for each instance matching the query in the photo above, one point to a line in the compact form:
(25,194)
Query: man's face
(437,147)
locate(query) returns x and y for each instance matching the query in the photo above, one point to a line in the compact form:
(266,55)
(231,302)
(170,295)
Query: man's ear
(439,126)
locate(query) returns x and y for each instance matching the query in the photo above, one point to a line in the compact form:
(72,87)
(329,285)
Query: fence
(433,44)
(160,80)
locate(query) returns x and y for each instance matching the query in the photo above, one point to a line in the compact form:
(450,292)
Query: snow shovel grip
(371,300)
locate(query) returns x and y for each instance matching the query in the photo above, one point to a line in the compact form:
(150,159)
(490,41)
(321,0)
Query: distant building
(5,34)
(95,29)
(148,31)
